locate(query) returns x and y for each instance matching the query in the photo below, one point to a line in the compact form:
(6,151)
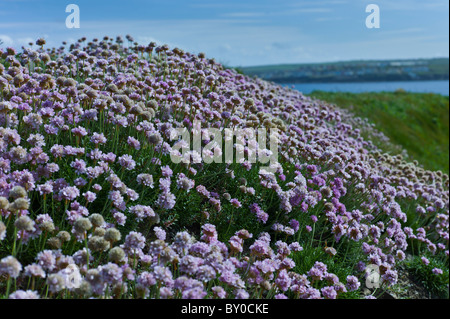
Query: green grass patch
(418,122)
(436,284)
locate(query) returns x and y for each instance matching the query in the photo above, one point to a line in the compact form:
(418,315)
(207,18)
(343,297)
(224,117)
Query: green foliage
(419,122)
(436,284)
(193,209)
(341,265)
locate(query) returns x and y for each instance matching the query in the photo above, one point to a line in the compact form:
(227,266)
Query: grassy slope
(418,122)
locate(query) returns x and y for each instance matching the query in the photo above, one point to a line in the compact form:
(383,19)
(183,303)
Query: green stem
(87,251)
(8,286)
(313,231)
(14,244)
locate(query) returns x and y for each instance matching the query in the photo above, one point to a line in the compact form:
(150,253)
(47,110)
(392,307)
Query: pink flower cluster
(85,176)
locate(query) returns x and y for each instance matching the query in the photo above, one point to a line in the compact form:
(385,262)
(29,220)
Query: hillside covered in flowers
(92,204)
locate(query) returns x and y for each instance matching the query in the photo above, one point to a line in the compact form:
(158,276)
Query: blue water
(440,87)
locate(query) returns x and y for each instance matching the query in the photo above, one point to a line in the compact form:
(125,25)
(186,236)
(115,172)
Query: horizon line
(342,61)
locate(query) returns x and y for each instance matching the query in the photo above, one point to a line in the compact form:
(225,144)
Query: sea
(439,87)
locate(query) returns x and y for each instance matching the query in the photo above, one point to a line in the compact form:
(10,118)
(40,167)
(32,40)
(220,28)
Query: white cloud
(403,31)
(7,41)
(311,10)
(236,41)
(147,39)
(243,14)
(25,41)
(330,18)
(323,2)
(411,5)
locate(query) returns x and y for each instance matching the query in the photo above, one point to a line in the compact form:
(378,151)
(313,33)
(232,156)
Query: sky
(244,32)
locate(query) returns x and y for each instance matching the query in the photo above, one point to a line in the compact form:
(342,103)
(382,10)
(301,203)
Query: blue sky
(244,32)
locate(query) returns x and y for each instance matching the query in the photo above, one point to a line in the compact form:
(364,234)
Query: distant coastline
(356,80)
(437,87)
(354,71)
